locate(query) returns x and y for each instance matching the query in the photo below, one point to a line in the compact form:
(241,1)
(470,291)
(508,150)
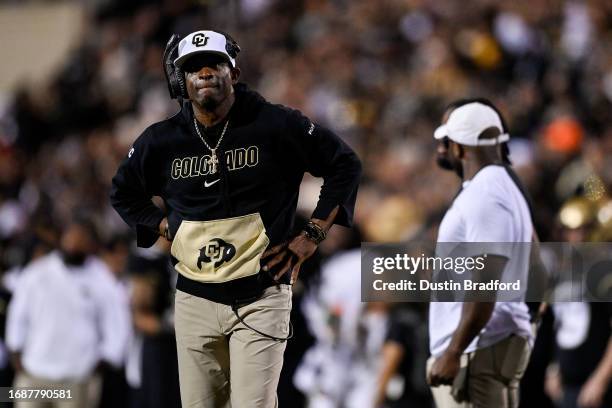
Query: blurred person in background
(152,371)
(581,375)
(340,369)
(225,206)
(365,354)
(489,208)
(404,355)
(67,320)
(114,255)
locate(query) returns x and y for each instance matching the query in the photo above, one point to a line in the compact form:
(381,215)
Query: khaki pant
(79,393)
(493,376)
(222,363)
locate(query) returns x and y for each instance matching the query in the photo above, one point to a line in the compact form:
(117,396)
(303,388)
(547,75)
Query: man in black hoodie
(228,167)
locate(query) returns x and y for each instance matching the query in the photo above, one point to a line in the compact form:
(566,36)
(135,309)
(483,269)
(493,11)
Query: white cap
(200,42)
(467,122)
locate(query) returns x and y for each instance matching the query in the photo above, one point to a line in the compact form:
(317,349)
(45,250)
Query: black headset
(175,77)
(231,46)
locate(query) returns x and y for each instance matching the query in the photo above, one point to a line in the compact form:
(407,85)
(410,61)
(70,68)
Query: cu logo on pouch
(199,40)
(217,251)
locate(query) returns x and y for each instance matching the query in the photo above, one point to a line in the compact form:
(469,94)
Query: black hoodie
(263,156)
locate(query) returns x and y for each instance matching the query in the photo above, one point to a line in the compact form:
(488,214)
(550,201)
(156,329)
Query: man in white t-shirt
(493,338)
(66,320)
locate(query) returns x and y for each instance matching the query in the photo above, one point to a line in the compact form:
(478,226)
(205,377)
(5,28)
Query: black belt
(240,291)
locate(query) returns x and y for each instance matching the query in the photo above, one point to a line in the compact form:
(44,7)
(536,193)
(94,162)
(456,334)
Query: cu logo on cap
(199,40)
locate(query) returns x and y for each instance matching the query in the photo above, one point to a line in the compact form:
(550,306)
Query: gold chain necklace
(214,161)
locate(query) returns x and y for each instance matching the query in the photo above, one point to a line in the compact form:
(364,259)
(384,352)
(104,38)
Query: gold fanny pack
(220,250)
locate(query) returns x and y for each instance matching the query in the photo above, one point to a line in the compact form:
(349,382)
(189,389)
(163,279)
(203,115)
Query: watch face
(314,232)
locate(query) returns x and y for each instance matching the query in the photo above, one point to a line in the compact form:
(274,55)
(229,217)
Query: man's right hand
(163,225)
(444,369)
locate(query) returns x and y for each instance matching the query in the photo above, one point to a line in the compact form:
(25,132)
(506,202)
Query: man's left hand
(444,369)
(291,254)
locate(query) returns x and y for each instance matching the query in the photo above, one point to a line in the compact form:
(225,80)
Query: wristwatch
(314,232)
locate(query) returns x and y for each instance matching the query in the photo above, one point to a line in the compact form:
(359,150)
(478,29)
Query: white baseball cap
(203,41)
(466,123)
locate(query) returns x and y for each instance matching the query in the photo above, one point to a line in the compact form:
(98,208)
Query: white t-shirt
(65,319)
(490,208)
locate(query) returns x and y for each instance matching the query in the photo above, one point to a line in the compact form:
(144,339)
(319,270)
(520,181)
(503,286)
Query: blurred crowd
(379,74)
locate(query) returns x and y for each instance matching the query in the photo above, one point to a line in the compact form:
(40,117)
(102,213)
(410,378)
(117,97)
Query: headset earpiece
(174,77)
(232,47)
